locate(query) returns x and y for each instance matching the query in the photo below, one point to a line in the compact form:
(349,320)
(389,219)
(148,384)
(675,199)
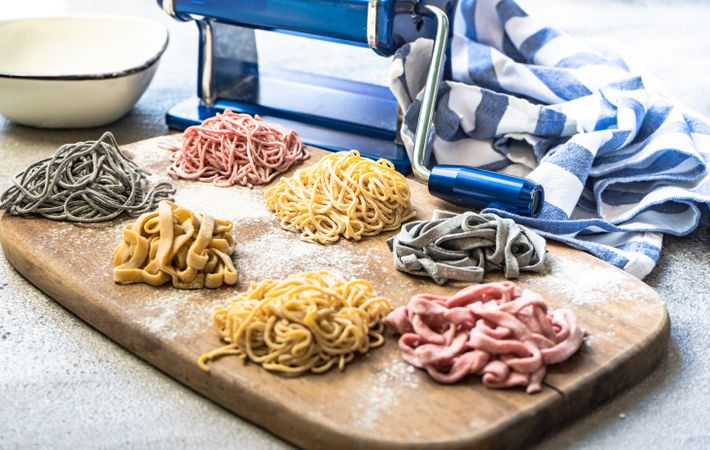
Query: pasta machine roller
(328,112)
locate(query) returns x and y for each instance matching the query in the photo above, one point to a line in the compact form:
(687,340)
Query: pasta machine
(327,112)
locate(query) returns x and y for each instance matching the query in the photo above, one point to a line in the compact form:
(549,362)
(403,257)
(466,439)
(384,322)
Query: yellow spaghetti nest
(344,195)
(172,243)
(306,322)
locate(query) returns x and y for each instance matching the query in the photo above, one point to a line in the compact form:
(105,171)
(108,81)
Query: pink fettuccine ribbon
(494,330)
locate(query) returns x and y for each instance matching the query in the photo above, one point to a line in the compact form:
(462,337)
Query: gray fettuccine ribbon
(464,246)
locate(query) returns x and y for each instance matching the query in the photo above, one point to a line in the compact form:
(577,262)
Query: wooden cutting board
(378,401)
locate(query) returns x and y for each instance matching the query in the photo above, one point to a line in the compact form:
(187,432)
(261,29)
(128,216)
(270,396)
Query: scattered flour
(232,203)
(173,313)
(578,282)
(84,239)
(600,336)
(395,382)
(277,253)
(239,204)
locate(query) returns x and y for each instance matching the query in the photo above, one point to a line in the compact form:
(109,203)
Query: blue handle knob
(478,188)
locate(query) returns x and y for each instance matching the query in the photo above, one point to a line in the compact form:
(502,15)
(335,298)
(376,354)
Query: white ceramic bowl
(76,71)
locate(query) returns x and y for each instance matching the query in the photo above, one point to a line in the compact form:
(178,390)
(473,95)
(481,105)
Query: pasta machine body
(328,112)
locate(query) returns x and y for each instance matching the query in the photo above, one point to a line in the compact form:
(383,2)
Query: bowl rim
(92,76)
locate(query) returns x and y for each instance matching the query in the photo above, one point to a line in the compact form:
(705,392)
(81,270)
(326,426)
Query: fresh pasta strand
(90,181)
(173,244)
(309,321)
(343,195)
(232,148)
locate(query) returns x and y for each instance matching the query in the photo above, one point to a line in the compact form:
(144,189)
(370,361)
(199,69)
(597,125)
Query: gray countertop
(64,385)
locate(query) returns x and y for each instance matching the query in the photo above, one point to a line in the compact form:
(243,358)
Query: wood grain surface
(378,401)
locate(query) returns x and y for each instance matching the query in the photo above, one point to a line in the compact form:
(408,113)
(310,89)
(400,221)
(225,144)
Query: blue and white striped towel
(620,162)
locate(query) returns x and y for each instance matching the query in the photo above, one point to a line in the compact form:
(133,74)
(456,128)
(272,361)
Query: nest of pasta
(174,244)
(343,195)
(236,149)
(496,330)
(86,182)
(306,322)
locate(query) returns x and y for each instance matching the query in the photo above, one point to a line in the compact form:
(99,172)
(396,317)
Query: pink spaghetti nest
(491,329)
(231,148)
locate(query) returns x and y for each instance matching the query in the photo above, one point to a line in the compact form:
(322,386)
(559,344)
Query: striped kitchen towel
(621,162)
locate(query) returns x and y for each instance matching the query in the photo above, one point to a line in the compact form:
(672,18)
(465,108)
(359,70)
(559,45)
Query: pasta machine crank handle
(461,185)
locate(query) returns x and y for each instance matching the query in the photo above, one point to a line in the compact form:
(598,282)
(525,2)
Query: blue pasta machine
(332,113)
